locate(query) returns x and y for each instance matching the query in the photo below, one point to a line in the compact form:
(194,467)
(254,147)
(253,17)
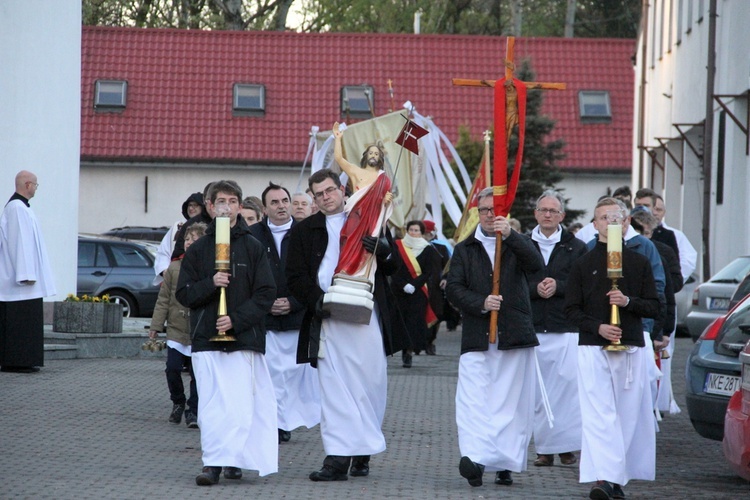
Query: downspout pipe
(642,95)
(708,138)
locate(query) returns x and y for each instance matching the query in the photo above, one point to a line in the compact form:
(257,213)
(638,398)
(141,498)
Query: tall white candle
(614,238)
(222,230)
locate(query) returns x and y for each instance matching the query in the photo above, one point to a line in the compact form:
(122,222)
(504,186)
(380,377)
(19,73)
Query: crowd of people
(266,353)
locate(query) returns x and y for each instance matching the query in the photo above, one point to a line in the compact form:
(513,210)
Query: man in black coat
(558,337)
(296,385)
(619,440)
(353,378)
(237,405)
(496,383)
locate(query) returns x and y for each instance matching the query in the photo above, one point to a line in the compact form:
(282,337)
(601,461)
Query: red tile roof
(179,103)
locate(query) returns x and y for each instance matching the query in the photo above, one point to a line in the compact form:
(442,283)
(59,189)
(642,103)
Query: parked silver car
(711,299)
(684,298)
(122,269)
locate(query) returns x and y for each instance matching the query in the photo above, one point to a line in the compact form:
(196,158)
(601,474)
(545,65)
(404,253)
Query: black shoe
(503,477)
(335,468)
(602,490)
(328,473)
(232,473)
(617,491)
(284,436)
(430,350)
(209,476)
(360,466)
(406,357)
(471,471)
(176,416)
(191,420)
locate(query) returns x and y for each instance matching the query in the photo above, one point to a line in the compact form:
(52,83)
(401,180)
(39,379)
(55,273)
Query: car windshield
(733,272)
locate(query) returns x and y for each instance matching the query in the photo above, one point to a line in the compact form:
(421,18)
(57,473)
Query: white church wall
(123,189)
(40,115)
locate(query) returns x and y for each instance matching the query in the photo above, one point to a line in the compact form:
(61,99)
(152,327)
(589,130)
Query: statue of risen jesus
(367,208)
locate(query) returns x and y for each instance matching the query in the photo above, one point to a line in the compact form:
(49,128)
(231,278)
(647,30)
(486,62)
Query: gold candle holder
(614,272)
(222,264)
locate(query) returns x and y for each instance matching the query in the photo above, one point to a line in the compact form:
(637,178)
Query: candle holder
(614,273)
(222,264)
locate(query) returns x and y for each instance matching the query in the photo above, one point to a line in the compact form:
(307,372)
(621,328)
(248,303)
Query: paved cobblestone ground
(93,429)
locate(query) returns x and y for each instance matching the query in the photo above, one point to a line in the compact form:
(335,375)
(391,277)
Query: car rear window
(733,272)
(127,256)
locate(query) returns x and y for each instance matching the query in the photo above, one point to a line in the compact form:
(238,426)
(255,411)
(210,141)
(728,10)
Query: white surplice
(619,435)
(236,410)
(296,385)
(495,407)
(558,362)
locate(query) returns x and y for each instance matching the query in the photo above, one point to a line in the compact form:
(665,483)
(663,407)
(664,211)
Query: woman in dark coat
(410,286)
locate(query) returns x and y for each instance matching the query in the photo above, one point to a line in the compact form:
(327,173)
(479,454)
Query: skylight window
(357,101)
(110,94)
(594,107)
(249,99)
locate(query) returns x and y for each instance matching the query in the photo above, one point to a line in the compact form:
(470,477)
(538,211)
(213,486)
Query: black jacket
(470,282)
(673,275)
(307,245)
(250,293)
(549,314)
(587,304)
(293,320)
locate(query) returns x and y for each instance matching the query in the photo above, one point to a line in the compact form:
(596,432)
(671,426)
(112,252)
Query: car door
(93,267)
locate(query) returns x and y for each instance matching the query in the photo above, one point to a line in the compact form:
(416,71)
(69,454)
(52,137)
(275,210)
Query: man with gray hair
(557,352)
(301,206)
(496,382)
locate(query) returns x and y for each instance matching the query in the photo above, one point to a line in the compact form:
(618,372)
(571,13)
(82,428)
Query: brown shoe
(568,458)
(544,460)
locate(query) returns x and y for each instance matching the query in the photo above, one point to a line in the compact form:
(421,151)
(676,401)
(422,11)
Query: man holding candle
(237,405)
(619,440)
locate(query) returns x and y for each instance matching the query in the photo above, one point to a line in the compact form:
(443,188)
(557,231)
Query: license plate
(717,383)
(718,303)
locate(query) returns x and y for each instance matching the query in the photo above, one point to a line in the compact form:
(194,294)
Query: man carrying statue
(353,382)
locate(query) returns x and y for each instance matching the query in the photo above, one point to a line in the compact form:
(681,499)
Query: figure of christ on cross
(367,209)
(514,117)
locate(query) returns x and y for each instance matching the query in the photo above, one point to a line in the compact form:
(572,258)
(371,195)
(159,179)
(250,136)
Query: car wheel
(129,306)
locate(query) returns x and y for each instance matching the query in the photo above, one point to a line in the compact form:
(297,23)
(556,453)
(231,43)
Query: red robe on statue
(364,219)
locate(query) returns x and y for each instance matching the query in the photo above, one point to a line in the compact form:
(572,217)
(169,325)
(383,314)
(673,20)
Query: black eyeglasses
(486,210)
(321,194)
(548,211)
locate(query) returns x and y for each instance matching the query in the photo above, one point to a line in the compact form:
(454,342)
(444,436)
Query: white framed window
(594,106)
(357,101)
(249,99)
(110,94)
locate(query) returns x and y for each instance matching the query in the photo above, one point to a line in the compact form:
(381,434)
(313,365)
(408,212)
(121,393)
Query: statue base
(350,299)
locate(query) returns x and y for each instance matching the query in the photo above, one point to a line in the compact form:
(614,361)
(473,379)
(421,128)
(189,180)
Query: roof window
(249,99)
(110,95)
(594,106)
(357,101)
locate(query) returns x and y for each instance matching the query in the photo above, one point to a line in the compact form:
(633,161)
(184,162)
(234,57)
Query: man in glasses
(25,277)
(496,382)
(558,337)
(352,375)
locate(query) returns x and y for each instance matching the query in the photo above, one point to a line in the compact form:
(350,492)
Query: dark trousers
(175,361)
(22,333)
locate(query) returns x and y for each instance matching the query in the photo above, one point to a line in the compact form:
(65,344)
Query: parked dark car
(711,298)
(713,370)
(120,268)
(142,233)
(739,293)
(736,443)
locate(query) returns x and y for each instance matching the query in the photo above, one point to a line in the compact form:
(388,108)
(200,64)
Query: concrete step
(57,338)
(60,351)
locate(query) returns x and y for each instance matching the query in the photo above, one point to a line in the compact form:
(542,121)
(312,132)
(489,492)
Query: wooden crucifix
(510,113)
